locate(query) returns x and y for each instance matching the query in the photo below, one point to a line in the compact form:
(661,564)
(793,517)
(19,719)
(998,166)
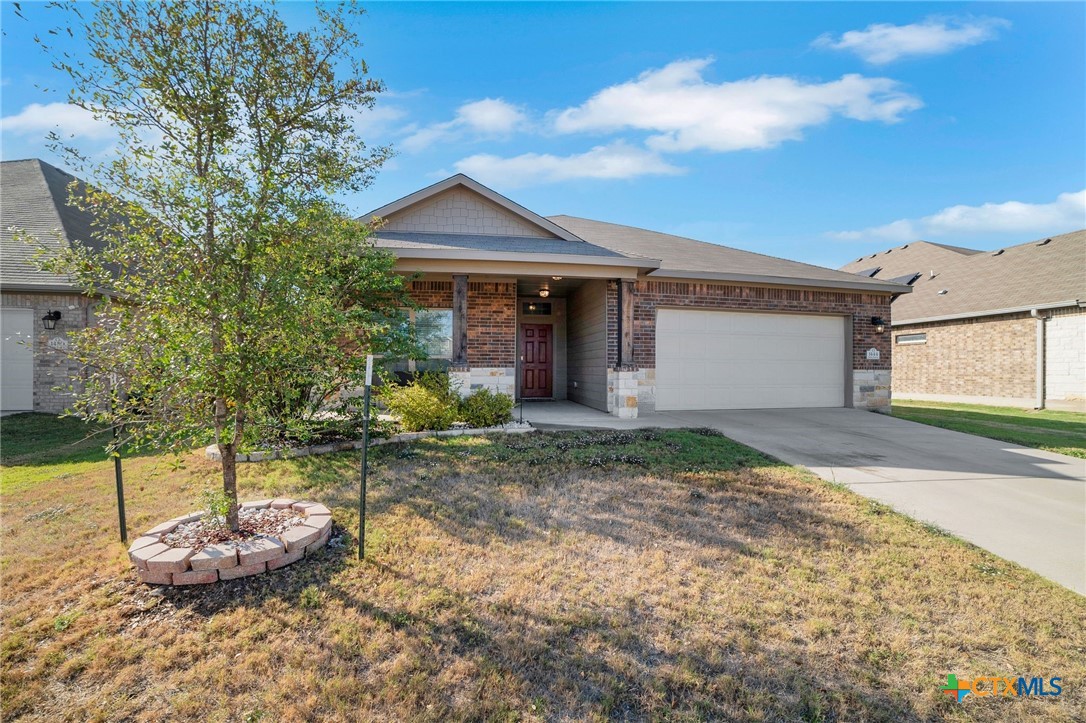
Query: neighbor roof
(686,258)
(34,198)
(1043,273)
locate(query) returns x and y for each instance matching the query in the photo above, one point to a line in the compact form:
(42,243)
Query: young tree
(231,279)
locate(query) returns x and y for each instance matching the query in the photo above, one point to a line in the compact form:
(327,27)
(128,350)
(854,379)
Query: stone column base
(497,379)
(871,389)
(622,392)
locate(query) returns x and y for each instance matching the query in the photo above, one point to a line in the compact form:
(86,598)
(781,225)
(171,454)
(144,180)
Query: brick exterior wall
(992,356)
(492,318)
(652,294)
(52,367)
(492,331)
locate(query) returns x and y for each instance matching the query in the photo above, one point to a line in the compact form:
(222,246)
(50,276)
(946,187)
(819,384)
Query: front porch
(550,337)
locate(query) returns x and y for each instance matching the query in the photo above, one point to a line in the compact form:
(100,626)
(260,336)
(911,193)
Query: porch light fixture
(544,293)
(557,278)
(49,321)
(878,323)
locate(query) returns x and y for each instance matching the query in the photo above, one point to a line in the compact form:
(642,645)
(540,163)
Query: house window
(912,339)
(433,329)
(536,308)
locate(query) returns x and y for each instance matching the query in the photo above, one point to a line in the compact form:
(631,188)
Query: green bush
(484,408)
(217,504)
(429,402)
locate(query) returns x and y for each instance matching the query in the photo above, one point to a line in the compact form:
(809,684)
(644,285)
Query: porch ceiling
(560,289)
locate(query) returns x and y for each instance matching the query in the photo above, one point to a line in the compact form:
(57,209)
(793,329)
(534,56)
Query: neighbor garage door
(17,360)
(743,360)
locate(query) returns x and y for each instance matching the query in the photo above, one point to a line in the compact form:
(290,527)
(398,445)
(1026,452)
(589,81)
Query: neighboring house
(34,198)
(626,320)
(1005,327)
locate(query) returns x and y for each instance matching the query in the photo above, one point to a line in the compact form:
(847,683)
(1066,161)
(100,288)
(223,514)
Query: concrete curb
(212,451)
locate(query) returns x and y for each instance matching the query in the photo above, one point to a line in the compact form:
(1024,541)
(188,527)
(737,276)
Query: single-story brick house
(626,320)
(1004,327)
(34,197)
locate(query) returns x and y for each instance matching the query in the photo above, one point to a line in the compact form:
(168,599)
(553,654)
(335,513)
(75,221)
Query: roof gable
(461,205)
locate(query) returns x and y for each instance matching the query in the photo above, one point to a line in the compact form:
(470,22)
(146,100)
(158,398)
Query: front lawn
(649,575)
(1061,432)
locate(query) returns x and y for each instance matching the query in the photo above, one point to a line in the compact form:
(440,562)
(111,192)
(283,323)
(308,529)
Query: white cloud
(491,117)
(882,43)
(1067,212)
(378,120)
(688,113)
(63,118)
(616,160)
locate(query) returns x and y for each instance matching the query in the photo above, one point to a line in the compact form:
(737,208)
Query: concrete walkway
(1022,504)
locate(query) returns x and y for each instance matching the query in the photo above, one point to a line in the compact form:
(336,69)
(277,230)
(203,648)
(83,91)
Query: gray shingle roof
(690,257)
(34,198)
(481,242)
(977,281)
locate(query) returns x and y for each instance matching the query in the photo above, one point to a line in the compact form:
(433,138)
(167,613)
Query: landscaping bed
(212,451)
(191,550)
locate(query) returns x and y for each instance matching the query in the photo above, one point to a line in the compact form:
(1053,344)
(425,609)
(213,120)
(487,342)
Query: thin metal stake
(365,458)
(120,487)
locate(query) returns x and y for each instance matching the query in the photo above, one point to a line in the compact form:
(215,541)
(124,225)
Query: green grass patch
(43,439)
(1053,431)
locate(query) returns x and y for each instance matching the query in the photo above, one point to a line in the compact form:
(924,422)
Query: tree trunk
(229,455)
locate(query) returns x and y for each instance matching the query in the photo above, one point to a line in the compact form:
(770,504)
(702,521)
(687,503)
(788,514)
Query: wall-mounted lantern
(49,321)
(544,293)
(878,323)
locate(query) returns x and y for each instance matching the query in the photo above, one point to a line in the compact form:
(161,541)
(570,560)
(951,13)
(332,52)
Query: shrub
(430,401)
(484,408)
(217,504)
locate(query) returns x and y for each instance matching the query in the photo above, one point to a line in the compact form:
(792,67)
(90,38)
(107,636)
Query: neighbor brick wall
(492,318)
(992,356)
(52,367)
(696,295)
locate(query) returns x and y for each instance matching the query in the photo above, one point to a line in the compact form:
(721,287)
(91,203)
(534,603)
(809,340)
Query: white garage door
(742,360)
(17,360)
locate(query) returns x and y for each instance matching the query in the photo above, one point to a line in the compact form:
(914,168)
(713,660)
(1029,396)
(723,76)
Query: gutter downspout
(1040,389)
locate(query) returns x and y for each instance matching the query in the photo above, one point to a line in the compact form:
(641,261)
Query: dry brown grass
(658,576)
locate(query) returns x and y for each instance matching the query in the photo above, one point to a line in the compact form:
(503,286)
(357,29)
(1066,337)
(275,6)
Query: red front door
(536,361)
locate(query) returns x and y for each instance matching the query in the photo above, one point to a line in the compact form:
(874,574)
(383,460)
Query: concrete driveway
(1023,504)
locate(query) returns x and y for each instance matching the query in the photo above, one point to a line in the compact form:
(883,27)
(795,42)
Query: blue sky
(818,132)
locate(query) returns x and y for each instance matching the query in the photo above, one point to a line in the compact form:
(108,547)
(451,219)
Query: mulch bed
(252,523)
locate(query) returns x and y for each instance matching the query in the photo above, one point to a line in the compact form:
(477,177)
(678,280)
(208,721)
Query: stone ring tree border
(160,564)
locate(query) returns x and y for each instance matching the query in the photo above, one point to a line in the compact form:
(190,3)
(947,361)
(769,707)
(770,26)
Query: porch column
(460,321)
(625,323)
